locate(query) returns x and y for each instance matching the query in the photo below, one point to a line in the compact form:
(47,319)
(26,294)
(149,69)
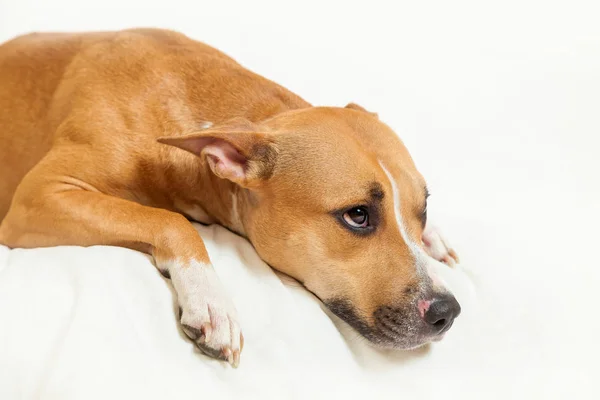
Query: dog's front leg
(45,214)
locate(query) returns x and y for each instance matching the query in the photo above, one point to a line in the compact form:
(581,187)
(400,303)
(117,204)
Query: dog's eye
(357,217)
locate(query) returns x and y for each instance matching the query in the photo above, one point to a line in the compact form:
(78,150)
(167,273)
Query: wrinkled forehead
(384,144)
(346,152)
(400,175)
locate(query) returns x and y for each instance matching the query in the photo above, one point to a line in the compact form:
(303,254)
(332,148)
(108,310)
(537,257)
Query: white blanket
(100,322)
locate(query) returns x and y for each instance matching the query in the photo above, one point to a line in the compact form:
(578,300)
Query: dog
(123,138)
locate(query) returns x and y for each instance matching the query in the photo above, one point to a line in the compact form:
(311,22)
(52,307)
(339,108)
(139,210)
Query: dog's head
(332,198)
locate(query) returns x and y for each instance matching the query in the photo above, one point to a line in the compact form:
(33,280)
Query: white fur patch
(423,262)
(398,209)
(204,303)
(205,125)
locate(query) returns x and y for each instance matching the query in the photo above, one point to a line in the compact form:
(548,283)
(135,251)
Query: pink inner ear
(225,160)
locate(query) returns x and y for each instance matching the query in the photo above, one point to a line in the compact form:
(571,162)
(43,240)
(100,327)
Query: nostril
(440,324)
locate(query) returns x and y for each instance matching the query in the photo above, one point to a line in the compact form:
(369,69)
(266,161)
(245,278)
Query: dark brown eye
(357,217)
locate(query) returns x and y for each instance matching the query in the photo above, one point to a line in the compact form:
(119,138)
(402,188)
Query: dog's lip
(439,337)
(389,337)
(424,339)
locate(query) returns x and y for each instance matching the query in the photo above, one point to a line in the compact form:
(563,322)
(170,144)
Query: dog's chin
(405,343)
(402,341)
(407,334)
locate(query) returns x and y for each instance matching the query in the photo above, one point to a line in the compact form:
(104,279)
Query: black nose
(441,313)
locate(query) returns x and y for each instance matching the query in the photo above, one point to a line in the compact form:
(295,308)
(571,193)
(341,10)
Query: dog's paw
(215,331)
(207,315)
(438,247)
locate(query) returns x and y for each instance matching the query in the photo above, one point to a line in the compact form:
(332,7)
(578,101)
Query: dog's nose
(441,313)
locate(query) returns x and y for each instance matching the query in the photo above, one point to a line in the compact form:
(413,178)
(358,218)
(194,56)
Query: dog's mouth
(391,327)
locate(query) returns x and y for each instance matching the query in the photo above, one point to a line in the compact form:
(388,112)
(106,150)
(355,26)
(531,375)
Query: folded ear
(354,106)
(235,150)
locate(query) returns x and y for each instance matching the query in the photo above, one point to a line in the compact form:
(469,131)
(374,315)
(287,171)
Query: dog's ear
(236,150)
(354,106)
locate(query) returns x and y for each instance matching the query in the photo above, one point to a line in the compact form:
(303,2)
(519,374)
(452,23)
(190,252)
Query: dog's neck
(216,200)
(209,199)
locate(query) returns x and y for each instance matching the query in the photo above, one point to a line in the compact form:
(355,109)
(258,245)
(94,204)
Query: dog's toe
(437,246)
(216,333)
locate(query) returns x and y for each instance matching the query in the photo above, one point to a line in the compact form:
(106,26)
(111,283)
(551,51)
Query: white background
(499,103)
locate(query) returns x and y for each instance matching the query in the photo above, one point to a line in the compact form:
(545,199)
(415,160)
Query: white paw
(438,247)
(207,314)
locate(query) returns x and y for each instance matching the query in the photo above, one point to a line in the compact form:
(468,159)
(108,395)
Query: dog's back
(42,75)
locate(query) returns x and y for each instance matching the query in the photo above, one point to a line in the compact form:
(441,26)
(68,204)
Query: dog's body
(92,128)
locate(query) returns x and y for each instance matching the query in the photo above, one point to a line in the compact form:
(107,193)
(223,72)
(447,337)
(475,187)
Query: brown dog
(120,138)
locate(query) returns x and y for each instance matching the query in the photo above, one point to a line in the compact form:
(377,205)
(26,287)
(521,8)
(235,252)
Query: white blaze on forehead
(398,210)
(423,262)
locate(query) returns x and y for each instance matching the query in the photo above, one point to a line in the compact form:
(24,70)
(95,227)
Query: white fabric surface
(100,323)
(498,103)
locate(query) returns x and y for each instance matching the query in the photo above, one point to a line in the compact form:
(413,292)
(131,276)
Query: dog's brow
(427,194)
(376,191)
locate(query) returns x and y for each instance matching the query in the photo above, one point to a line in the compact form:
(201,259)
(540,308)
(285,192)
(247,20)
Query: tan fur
(89,130)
